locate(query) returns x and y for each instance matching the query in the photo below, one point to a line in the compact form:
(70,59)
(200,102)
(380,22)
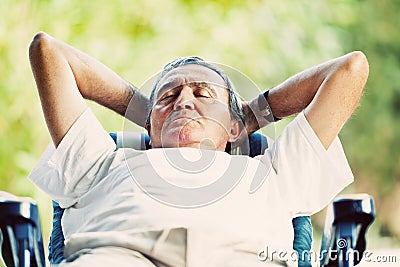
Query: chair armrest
(56,243)
(302,239)
(347,222)
(21,235)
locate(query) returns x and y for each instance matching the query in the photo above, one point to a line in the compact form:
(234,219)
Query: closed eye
(168,97)
(203,89)
(202,93)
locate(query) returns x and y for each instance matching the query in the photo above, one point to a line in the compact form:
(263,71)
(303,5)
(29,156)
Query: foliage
(267,40)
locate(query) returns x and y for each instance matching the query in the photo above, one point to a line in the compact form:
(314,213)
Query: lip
(181,117)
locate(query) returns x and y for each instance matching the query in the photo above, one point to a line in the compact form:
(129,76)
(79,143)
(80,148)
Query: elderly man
(145,208)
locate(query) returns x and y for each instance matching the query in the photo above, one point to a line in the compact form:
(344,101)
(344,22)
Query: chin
(191,137)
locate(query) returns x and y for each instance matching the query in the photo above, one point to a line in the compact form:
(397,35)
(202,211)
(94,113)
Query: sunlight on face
(191,110)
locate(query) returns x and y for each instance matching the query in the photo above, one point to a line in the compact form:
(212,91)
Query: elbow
(358,62)
(357,65)
(38,45)
(39,38)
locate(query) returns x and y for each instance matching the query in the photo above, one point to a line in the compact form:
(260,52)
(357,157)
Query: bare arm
(329,93)
(65,76)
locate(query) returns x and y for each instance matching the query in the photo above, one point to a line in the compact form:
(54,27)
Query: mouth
(183,119)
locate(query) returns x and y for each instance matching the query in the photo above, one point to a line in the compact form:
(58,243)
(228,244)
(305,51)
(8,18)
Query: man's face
(191,110)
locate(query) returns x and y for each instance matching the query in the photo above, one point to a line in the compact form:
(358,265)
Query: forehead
(191,73)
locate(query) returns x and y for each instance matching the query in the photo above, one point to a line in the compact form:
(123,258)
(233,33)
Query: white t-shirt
(224,202)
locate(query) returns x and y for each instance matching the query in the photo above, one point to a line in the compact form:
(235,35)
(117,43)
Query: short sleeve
(70,170)
(308,176)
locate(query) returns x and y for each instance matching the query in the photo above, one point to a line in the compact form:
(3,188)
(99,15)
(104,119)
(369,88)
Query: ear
(236,131)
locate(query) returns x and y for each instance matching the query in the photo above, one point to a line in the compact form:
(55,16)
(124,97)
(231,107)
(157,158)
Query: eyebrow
(175,83)
(169,85)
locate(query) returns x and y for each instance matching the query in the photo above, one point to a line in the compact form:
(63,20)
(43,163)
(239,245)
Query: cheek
(158,116)
(218,126)
(219,114)
(160,112)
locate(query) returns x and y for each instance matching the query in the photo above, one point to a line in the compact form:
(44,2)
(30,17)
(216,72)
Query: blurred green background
(266,40)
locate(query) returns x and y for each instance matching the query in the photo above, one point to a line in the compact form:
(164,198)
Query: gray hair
(235,107)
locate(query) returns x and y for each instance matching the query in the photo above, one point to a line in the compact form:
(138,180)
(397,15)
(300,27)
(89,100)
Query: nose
(185,99)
